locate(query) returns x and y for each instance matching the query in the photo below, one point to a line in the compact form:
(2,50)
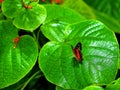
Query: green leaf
(57,19)
(11,8)
(81,7)
(1,16)
(115,85)
(25,18)
(100,53)
(16,59)
(90,13)
(119,61)
(108,20)
(105,13)
(86,88)
(93,88)
(24,81)
(60,88)
(30,19)
(106,7)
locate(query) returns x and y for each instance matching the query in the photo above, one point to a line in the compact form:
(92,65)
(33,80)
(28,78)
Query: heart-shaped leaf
(26,16)
(57,20)
(16,58)
(99,56)
(11,8)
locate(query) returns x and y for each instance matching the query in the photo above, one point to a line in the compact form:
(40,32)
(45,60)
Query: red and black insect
(77,52)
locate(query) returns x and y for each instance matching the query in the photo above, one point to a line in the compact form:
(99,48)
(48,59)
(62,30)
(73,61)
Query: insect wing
(77,52)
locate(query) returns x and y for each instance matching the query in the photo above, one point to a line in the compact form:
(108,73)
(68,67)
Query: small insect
(77,52)
(16,40)
(1,1)
(43,0)
(56,1)
(28,7)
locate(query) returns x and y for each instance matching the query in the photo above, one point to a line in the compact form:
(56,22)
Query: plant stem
(36,39)
(35,74)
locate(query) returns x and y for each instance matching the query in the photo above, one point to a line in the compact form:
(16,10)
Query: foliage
(65,44)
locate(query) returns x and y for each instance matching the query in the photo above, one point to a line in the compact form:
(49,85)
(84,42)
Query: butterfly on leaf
(77,52)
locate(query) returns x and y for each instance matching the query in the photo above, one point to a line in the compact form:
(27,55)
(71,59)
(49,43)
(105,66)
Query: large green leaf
(81,7)
(88,12)
(109,21)
(100,53)
(11,8)
(57,19)
(24,18)
(106,13)
(15,62)
(110,7)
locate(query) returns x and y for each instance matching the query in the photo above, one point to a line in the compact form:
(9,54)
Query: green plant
(39,40)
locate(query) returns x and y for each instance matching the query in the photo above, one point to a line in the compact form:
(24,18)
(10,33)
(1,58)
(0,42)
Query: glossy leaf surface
(105,6)
(57,19)
(16,59)
(27,15)
(93,88)
(99,52)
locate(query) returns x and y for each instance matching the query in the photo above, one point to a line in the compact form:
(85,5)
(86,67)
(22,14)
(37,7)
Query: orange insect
(56,1)
(1,1)
(28,7)
(77,52)
(43,0)
(16,40)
